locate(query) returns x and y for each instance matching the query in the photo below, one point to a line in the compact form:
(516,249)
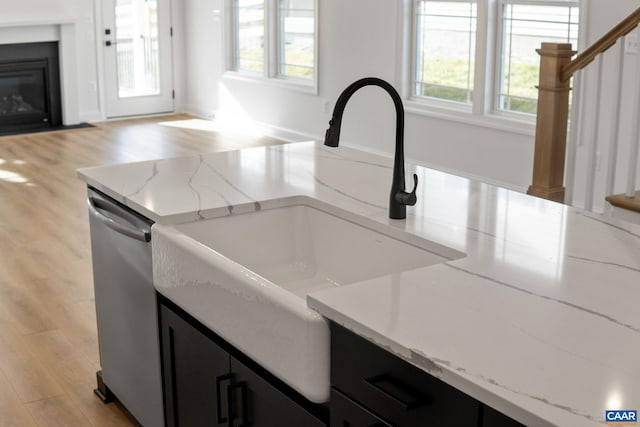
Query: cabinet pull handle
(219,380)
(243,402)
(401,394)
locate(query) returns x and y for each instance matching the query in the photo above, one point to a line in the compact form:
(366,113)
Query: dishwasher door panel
(126,312)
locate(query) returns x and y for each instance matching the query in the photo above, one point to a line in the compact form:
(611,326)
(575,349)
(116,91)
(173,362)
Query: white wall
(358,38)
(54,11)
(203,55)
(86,16)
(179,54)
(36,10)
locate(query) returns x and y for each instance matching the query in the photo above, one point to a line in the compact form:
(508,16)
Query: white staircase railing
(620,146)
(587,145)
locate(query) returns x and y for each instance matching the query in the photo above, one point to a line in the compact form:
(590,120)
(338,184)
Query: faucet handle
(412,196)
(408,199)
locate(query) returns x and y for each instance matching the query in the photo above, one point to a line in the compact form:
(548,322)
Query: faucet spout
(399,199)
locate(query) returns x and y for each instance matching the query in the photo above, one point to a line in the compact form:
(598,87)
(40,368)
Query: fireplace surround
(29,86)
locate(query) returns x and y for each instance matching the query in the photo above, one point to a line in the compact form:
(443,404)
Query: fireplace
(29,87)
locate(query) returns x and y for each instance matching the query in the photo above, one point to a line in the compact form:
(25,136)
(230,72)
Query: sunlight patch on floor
(9,176)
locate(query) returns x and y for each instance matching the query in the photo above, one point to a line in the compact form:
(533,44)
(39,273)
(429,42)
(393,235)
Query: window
(249,35)
(445,50)
(296,38)
(274,39)
(481,55)
(524,27)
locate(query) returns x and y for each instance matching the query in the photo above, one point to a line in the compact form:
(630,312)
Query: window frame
(497,75)
(483,109)
(270,74)
(414,58)
(233,63)
(278,40)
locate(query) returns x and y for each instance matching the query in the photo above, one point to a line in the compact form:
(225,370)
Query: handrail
(556,70)
(605,42)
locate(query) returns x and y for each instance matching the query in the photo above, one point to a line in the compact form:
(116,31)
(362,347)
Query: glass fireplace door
(24,98)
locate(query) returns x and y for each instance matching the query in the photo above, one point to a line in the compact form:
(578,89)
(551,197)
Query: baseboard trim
(202,113)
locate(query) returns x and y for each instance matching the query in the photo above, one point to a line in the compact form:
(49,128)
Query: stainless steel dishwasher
(126,309)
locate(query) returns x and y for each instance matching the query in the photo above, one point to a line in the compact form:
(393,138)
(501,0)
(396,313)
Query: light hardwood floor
(48,338)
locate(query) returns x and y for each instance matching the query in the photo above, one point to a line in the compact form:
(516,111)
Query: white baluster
(574,132)
(593,149)
(632,173)
(615,125)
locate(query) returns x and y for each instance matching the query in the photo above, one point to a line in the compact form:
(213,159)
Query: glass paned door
(137,46)
(136,32)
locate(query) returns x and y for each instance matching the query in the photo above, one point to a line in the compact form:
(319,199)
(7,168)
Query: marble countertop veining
(540,320)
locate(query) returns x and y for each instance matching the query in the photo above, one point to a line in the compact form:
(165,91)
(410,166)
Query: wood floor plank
(51,347)
(12,412)
(21,312)
(26,374)
(77,378)
(48,336)
(57,411)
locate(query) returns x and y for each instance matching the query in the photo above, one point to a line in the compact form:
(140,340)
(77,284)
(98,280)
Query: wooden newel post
(551,123)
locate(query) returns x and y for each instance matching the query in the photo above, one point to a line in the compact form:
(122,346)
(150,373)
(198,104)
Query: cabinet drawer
(346,412)
(394,389)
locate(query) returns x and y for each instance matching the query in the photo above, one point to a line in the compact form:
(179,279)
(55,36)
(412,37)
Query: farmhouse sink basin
(246,277)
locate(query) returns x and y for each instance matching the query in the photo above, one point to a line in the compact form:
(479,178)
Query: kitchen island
(539,320)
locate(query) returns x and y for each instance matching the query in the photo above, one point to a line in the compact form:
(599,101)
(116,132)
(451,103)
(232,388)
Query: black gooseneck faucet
(399,199)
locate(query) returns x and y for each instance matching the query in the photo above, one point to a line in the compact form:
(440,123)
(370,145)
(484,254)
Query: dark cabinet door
(254,402)
(493,418)
(196,374)
(204,385)
(347,413)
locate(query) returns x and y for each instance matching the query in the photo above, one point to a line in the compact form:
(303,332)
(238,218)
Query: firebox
(29,87)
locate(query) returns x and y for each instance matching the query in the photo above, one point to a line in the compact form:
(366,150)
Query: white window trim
(493,100)
(271,76)
(482,112)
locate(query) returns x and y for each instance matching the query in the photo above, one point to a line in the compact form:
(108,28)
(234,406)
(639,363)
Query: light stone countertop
(540,320)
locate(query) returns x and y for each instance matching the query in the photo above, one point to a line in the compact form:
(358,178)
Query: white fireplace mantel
(64,32)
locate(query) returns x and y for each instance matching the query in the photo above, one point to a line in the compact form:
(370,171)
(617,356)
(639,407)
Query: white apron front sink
(246,277)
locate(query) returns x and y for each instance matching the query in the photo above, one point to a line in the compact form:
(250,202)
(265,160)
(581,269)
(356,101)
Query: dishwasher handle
(134,233)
